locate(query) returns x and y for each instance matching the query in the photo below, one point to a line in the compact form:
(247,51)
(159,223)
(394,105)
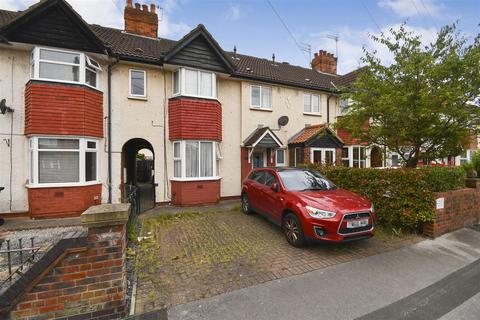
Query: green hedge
(402,198)
(444,178)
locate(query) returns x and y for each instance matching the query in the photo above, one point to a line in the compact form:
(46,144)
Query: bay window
(195,160)
(63,161)
(260,97)
(311,103)
(64,66)
(194,83)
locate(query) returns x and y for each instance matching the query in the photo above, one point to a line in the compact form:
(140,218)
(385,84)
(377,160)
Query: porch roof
(263,137)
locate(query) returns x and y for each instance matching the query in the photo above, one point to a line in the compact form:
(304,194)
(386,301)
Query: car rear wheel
(246,204)
(292,229)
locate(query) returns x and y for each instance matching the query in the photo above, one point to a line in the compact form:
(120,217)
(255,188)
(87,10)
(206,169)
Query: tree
(421,105)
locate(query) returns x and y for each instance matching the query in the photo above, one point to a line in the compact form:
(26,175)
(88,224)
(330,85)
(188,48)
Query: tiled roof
(306,134)
(149,50)
(349,78)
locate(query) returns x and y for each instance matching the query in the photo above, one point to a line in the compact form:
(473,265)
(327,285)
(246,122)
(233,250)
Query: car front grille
(343,230)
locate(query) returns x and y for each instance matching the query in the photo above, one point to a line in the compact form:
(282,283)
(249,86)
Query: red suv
(307,205)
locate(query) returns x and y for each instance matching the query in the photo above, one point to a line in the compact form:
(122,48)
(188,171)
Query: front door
(258,159)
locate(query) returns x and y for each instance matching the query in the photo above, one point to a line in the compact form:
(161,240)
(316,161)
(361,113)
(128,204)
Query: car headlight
(372,209)
(319,213)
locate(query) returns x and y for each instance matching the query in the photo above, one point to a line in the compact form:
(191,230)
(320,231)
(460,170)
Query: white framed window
(63,161)
(64,66)
(346,156)
(260,97)
(311,103)
(194,83)
(466,157)
(344,106)
(395,158)
(137,83)
(196,160)
(280,157)
(359,157)
(323,156)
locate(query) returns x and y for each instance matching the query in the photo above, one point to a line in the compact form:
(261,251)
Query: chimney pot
(139,20)
(324,62)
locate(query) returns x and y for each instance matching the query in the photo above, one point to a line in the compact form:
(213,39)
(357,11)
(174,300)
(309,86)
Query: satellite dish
(283,121)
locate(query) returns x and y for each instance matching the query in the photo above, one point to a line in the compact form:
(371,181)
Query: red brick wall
(62,201)
(462,208)
(190,193)
(194,119)
(84,283)
(59,109)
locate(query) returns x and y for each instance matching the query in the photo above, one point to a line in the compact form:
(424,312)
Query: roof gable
(52,23)
(198,49)
(316,136)
(264,138)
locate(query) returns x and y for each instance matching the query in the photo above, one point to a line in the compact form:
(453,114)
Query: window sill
(312,114)
(66,82)
(62,185)
(261,109)
(195,179)
(137,98)
(184,95)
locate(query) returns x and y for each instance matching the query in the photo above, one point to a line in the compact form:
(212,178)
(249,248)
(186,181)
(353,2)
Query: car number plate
(357,223)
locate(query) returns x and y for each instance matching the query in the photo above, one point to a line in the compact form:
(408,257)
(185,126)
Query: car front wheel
(246,204)
(292,229)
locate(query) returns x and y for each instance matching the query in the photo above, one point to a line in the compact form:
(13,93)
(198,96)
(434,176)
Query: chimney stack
(139,20)
(324,61)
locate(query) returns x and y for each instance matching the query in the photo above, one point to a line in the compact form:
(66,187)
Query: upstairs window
(260,97)
(194,83)
(64,66)
(311,103)
(137,83)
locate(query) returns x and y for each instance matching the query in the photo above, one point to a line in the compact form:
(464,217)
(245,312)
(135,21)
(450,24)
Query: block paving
(198,255)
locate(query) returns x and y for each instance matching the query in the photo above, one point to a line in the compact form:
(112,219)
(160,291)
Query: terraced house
(85,99)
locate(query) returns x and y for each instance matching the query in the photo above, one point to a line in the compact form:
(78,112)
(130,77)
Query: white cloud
(110,13)
(411,8)
(352,41)
(234,12)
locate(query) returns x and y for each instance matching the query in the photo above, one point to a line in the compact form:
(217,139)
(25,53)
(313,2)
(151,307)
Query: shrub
(444,178)
(476,161)
(403,198)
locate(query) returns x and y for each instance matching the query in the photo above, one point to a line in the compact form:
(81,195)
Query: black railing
(18,258)
(132,196)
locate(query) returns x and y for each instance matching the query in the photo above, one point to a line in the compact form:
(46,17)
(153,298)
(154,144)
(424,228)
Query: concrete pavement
(350,290)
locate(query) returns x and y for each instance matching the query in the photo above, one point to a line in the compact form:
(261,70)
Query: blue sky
(254,28)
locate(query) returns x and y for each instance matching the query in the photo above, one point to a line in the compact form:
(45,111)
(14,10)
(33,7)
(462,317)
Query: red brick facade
(60,109)
(85,282)
(462,208)
(190,193)
(62,201)
(197,119)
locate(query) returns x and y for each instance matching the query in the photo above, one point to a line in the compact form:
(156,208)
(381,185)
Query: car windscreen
(304,180)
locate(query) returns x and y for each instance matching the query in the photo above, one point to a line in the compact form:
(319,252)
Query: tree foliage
(420,105)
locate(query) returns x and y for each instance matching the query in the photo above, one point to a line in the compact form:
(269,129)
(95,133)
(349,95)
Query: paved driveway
(198,255)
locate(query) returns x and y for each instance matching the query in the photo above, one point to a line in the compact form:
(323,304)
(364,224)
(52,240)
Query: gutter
(109,127)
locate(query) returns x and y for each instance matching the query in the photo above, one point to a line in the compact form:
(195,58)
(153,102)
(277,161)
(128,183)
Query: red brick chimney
(324,61)
(139,20)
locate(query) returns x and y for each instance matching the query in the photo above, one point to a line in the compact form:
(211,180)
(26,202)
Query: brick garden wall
(84,282)
(190,193)
(462,208)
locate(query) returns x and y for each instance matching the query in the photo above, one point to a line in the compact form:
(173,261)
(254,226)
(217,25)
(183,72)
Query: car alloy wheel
(293,230)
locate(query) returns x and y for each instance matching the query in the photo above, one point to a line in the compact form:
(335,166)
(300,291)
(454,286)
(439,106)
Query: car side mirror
(275,187)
